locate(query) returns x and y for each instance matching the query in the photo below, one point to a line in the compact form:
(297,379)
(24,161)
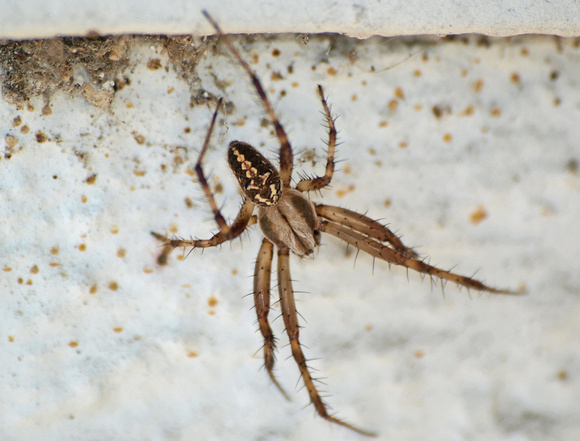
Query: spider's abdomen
(258,178)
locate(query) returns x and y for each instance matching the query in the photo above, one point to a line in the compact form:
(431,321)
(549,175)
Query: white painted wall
(362,19)
(118,364)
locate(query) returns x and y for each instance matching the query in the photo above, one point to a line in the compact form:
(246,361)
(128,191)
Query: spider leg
(290,317)
(243,220)
(365,225)
(322,181)
(286,156)
(375,248)
(227,232)
(262,277)
(223,226)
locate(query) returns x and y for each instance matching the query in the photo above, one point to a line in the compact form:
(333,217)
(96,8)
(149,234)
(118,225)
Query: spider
(290,222)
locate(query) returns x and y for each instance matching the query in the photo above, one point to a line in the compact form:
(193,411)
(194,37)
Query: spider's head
(258,178)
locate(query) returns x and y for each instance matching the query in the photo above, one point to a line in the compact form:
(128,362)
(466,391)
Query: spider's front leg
(290,316)
(322,181)
(226,232)
(286,156)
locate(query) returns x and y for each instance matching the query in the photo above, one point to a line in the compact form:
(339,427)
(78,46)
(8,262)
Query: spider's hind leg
(322,181)
(370,243)
(290,316)
(262,277)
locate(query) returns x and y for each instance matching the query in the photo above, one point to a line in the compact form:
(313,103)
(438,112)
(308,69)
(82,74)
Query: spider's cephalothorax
(286,217)
(291,222)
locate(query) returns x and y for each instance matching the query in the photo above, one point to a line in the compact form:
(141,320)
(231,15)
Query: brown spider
(291,222)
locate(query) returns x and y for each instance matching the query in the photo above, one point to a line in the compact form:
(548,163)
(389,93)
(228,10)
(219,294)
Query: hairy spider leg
(367,242)
(322,181)
(262,278)
(366,225)
(227,232)
(222,224)
(290,316)
(286,156)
